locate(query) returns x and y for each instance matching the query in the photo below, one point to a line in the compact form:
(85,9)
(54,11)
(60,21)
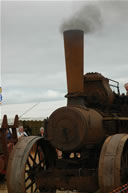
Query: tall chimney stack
(74,57)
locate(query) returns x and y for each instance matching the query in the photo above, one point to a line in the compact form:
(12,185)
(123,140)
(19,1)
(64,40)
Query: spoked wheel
(113,163)
(26,161)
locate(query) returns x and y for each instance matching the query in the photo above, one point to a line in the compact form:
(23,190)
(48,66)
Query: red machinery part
(121,189)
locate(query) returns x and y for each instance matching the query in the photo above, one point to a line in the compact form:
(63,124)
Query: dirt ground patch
(3,189)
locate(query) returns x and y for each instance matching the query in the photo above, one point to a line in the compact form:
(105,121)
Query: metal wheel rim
(110,163)
(16,181)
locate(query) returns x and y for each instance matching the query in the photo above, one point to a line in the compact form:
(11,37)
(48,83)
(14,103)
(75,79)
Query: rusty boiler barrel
(70,128)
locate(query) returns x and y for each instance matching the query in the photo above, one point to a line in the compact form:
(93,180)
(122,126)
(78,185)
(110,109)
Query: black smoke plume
(93,16)
(88,19)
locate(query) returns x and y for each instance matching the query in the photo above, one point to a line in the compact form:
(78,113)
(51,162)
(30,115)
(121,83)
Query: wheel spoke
(31,157)
(36,153)
(39,154)
(41,157)
(32,188)
(27,187)
(27,171)
(28,163)
(27,179)
(35,190)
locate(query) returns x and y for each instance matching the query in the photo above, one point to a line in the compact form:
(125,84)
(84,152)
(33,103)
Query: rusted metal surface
(70,128)
(7,145)
(113,164)
(14,126)
(97,88)
(2,164)
(3,128)
(73,42)
(62,180)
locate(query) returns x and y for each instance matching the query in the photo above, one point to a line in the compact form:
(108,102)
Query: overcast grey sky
(33,63)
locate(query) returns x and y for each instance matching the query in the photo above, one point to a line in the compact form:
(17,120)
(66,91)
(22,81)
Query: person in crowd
(21,132)
(8,134)
(126,87)
(9,138)
(59,153)
(42,131)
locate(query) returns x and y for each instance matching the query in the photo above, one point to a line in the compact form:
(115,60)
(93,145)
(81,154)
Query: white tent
(30,111)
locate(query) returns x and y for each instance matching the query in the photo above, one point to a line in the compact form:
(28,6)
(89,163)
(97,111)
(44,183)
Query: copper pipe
(73,42)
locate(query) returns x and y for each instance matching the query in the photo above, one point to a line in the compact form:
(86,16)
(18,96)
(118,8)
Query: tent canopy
(30,111)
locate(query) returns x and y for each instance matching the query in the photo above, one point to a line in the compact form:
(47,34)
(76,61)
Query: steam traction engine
(91,132)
